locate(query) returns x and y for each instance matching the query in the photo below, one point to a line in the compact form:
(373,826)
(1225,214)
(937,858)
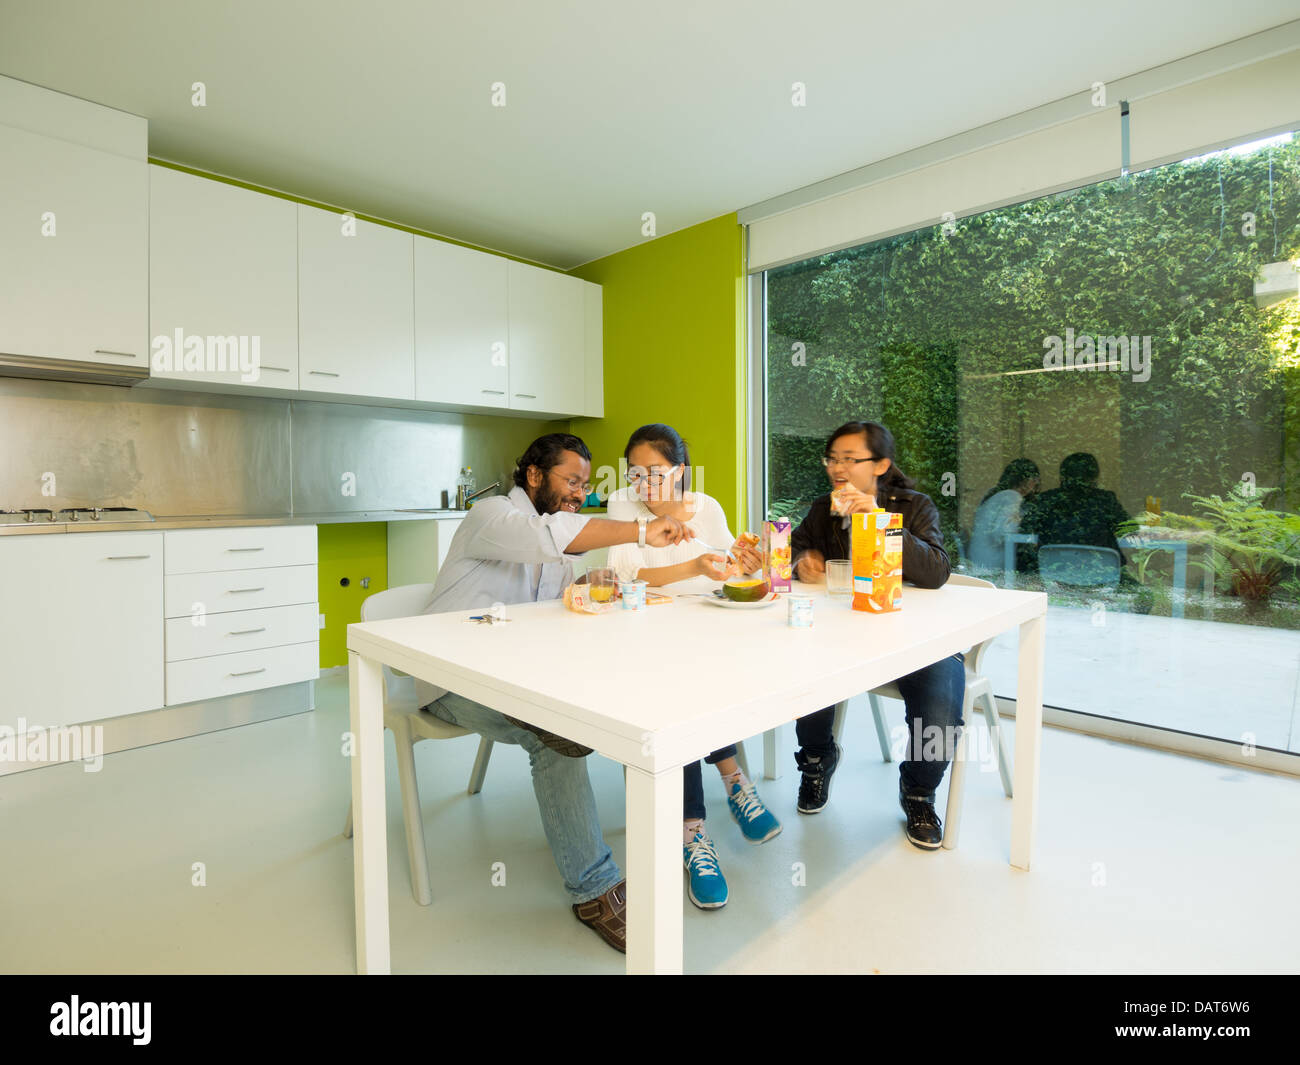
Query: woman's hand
(848,500)
(747,555)
(811,567)
(715,567)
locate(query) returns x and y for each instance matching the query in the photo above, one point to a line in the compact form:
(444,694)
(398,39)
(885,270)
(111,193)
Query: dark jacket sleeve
(925,562)
(814,533)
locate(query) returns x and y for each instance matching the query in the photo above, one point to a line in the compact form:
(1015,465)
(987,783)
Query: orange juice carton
(776,554)
(877,562)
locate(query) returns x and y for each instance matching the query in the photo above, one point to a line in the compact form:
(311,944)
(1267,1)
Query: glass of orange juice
(603,584)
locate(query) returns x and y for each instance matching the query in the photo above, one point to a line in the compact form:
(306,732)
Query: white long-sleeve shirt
(709,523)
(503,552)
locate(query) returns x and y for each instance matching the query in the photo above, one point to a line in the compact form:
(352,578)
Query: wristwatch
(640,532)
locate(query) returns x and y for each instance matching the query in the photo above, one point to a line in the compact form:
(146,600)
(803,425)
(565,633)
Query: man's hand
(811,567)
(665,531)
(848,500)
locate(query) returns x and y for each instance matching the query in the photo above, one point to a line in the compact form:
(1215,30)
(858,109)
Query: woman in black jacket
(859,460)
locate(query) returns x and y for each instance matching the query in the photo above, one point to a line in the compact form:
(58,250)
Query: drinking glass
(603,584)
(839,578)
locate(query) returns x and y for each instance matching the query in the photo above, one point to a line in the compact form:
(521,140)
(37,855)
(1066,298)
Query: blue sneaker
(708,887)
(756,821)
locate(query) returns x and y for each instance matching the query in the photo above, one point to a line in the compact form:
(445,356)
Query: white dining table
(659,689)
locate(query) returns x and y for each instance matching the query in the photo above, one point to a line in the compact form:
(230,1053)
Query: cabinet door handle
(246,632)
(278,369)
(493,392)
(234,591)
(233,549)
(125,558)
(322,373)
(247,672)
(124,354)
(524,395)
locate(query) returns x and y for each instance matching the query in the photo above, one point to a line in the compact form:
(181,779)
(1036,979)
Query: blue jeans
(564,798)
(693,783)
(932,702)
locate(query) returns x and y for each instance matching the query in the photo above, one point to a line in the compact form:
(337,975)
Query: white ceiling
(681,107)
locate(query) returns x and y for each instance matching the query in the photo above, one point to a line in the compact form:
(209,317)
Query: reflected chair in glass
(1079,565)
(409,724)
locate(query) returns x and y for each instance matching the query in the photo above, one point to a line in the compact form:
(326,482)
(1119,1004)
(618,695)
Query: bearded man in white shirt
(512,549)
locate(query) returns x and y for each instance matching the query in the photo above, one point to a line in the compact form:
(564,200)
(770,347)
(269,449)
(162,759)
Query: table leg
(654,871)
(369,817)
(771,752)
(1029,730)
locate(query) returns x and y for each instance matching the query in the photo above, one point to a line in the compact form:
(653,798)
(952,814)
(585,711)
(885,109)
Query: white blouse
(709,525)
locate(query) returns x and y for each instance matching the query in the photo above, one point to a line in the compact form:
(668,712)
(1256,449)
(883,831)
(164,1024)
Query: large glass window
(1100,390)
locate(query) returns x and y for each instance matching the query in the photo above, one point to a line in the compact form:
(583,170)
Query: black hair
(546,452)
(665,440)
(880,442)
(1079,470)
(1018,471)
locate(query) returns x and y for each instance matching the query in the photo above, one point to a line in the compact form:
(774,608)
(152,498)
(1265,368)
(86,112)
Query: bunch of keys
(492,617)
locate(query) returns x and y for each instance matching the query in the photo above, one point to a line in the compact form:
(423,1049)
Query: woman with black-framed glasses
(859,461)
(659,472)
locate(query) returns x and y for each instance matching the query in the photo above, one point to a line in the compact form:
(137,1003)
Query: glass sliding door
(1100,390)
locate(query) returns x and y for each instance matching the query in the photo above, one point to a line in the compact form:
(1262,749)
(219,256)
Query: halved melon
(746,589)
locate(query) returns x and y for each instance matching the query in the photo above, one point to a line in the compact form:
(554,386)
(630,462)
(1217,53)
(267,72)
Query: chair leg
(956,785)
(742,761)
(347,825)
(837,720)
(882,733)
(480,765)
(412,818)
(771,739)
(999,739)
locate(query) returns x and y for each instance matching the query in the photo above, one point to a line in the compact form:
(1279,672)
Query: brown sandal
(606,916)
(554,742)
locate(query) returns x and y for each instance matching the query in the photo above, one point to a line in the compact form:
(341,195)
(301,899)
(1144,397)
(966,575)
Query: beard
(548,500)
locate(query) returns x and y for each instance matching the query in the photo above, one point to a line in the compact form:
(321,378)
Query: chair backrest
(404,601)
(1080,565)
(969,581)
(975,656)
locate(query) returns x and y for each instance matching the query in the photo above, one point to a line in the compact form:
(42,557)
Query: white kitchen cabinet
(594,349)
(223,267)
(355,307)
(462,328)
(81,637)
(74,228)
(548,322)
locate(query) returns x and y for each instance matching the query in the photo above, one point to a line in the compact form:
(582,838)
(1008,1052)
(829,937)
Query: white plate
(718,599)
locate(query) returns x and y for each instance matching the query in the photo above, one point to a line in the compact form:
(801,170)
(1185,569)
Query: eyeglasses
(573,484)
(654,478)
(828,462)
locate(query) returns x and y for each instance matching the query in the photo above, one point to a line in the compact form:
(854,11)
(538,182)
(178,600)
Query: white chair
(409,725)
(979,695)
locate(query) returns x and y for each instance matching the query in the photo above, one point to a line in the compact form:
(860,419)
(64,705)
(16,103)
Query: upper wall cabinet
(355,307)
(223,268)
(462,328)
(548,325)
(593,304)
(74,199)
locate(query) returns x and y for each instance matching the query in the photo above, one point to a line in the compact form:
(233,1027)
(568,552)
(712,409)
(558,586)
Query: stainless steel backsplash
(193,453)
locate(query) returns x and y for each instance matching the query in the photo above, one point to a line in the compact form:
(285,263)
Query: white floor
(1146,862)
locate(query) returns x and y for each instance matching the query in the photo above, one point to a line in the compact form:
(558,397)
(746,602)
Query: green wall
(675,352)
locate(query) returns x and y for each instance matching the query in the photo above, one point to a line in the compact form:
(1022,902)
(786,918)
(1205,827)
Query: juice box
(776,554)
(877,562)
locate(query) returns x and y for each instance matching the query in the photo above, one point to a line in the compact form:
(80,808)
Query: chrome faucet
(463,500)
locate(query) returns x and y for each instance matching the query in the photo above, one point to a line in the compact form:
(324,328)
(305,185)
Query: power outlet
(320,621)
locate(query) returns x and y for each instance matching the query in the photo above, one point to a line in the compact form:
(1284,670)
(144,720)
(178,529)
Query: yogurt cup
(633,593)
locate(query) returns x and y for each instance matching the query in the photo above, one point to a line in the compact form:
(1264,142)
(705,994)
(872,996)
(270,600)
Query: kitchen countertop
(225,521)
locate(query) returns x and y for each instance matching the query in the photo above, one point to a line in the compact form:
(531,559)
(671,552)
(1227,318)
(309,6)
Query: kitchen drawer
(210,678)
(241,630)
(255,547)
(245,589)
